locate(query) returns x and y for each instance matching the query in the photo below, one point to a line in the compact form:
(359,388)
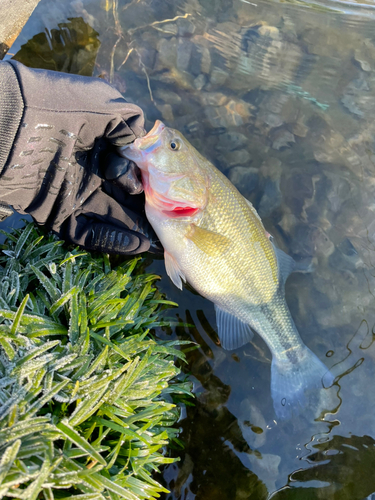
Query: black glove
(62,167)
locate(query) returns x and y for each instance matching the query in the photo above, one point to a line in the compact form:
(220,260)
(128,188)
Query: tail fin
(301,384)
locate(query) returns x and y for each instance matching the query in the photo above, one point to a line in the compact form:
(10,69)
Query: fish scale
(215,240)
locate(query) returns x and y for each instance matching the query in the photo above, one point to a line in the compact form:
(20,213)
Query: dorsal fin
(285,263)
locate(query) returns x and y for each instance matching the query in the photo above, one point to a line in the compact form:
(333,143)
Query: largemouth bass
(215,240)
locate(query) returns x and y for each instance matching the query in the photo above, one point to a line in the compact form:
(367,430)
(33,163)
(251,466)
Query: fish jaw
(168,188)
(143,146)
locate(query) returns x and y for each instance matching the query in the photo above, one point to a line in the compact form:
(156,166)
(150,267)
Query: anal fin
(173,270)
(233,332)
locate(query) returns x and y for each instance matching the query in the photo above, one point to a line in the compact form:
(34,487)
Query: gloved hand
(62,167)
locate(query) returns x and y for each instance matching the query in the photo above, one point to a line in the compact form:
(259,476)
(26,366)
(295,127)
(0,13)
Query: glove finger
(103,224)
(123,173)
(113,204)
(106,238)
(128,124)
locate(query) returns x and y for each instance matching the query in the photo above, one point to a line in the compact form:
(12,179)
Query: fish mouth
(149,141)
(145,144)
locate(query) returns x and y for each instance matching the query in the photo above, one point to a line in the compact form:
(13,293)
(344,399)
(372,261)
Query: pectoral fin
(232,331)
(173,270)
(211,243)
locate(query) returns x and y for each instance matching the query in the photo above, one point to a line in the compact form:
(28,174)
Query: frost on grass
(88,397)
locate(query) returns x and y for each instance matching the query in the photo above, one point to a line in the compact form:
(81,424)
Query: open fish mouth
(151,140)
(143,145)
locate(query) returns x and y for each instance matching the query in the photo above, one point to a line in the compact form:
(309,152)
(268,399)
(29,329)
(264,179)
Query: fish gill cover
(88,397)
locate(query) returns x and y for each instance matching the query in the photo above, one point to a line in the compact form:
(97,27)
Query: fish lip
(148,140)
(155,129)
(136,150)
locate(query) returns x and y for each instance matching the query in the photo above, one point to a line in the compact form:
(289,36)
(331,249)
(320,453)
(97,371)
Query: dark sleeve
(11,110)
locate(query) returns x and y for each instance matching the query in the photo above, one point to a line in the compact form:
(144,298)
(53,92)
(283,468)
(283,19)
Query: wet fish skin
(214,239)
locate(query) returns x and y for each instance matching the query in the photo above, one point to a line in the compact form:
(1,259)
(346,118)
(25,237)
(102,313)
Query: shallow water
(281,97)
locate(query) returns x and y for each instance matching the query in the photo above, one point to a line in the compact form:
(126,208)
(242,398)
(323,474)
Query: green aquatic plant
(88,397)
(297,90)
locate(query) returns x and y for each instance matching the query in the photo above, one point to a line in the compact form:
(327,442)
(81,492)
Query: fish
(214,239)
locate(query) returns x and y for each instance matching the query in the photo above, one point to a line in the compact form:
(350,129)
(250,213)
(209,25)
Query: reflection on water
(71,48)
(281,97)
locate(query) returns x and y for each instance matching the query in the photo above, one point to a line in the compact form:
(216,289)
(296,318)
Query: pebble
(282,138)
(167,54)
(268,57)
(214,99)
(185,27)
(296,190)
(345,257)
(184,49)
(218,77)
(231,140)
(271,198)
(148,56)
(272,168)
(246,179)
(354,98)
(166,112)
(339,193)
(200,61)
(238,157)
(200,81)
(300,129)
(364,65)
(232,112)
(168,96)
(323,246)
(288,223)
(271,120)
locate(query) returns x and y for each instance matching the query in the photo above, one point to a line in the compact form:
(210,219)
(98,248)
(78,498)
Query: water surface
(281,97)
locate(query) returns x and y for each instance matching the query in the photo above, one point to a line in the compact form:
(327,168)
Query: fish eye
(175,145)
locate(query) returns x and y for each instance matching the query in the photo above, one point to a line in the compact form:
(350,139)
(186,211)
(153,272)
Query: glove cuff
(11,110)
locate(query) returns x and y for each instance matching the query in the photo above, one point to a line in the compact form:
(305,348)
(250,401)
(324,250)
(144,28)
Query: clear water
(281,97)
